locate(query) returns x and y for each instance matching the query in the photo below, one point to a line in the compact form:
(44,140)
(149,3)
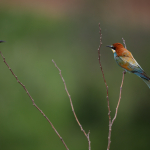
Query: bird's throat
(113,50)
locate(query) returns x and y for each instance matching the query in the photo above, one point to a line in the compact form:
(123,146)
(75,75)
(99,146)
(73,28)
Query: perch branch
(124,43)
(124,72)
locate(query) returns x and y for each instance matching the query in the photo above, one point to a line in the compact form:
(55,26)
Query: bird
(125,59)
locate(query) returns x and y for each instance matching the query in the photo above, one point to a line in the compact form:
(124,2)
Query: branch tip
(72,105)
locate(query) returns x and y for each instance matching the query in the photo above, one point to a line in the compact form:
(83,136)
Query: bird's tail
(147,82)
(144,77)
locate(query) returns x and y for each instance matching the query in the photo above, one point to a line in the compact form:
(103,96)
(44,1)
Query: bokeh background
(38,31)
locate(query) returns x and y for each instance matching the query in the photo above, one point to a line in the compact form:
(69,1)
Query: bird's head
(115,47)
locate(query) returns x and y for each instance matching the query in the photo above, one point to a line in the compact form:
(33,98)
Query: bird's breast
(122,63)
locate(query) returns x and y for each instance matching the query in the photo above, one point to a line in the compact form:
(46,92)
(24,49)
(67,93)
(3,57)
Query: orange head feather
(119,49)
(117,46)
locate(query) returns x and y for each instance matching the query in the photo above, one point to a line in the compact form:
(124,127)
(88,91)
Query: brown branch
(124,72)
(87,135)
(110,125)
(34,102)
(99,56)
(124,43)
(110,121)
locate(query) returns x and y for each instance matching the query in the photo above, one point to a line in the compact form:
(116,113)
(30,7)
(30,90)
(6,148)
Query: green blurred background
(67,31)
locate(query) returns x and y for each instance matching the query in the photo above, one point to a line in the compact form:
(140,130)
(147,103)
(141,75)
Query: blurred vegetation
(32,41)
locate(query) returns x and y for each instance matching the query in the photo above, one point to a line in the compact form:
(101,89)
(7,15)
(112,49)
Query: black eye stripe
(114,48)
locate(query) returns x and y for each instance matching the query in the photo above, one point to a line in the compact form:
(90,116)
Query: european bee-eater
(125,60)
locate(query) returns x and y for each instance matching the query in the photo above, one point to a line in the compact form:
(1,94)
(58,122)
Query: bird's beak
(111,46)
(1,41)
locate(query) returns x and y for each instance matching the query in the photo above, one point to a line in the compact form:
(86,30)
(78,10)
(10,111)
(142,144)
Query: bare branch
(34,102)
(124,72)
(99,56)
(87,135)
(110,121)
(109,116)
(124,43)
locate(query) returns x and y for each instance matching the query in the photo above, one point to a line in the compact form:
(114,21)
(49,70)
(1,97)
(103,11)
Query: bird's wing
(128,58)
(137,63)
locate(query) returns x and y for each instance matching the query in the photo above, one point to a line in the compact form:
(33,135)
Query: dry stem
(124,43)
(109,116)
(87,135)
(124,72)
(34,102)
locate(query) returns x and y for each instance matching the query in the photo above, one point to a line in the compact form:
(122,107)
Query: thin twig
(34,102)
(110,121)
(109,116)
(124,72)
(99,56)
(124,43)
(110,125)
(87,135)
